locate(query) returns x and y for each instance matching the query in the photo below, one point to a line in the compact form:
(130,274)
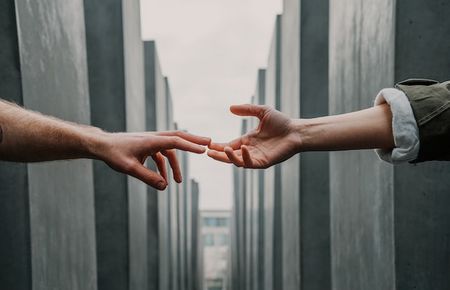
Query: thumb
(148,176)
(249,110)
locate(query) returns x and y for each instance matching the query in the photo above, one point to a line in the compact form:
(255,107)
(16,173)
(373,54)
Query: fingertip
(233,108)
(178,177)
(207,141)
(161,185)
(228,149)
(246,156)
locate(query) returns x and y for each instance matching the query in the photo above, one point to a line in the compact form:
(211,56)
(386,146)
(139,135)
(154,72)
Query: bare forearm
(31,137)
(366,129)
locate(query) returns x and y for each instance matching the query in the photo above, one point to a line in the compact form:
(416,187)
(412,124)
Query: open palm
(272,142)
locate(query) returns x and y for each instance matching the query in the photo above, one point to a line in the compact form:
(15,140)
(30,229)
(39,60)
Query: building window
(215,222)
(222,239)
(214,284)
(208,240)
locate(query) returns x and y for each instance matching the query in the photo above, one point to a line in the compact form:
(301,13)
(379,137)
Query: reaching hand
(127,153)
(272,142)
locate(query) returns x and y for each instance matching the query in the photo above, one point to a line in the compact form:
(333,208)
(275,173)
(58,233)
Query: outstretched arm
(278,137)
(27,136)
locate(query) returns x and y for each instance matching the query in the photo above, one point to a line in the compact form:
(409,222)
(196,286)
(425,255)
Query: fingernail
(161,185)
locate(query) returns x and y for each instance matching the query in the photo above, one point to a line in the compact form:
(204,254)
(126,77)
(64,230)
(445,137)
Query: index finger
(175,142)
(200,140)
(235,145)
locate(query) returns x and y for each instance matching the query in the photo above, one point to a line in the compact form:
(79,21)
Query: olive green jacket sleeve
(430,102)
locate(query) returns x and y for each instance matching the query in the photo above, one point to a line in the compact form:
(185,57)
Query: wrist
(297,128)
(302,129)
(94,142)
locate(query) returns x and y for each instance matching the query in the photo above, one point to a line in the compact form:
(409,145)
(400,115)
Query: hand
(272,142)
(127,153)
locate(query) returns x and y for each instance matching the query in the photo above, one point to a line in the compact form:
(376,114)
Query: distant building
(215,229)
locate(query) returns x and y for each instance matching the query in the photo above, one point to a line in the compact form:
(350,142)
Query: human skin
(277,137)
(27,136)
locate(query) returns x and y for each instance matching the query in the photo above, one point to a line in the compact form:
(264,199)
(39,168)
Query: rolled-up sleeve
(404,127)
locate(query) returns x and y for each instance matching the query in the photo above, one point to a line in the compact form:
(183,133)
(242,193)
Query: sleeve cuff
(404,127)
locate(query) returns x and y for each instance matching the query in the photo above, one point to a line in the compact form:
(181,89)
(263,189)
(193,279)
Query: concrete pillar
(158,203)
(136,121)
(272,176)
(186,222)
(105,52)
(236,250)
(290,170)
(305,94)
(61,194)
(390,225)
(15,264)
(240,196)
(315,244)
(174,201)
(257,198)
(249,218)
(195,264)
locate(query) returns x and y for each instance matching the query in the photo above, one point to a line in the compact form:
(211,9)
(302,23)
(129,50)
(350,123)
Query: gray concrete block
(159,203)
(186,222)
(242,226)
(361,196)
(258,196)
(290,170)
(389,224)
(195,265)
(421,192)
(54,82)
(236,249)
(307,81)
(136,121)
(15,264)
(174,202)
(105,54)
(272,176)
(249,220)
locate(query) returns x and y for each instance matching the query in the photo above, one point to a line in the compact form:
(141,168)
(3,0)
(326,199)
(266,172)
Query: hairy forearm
(366,129)
(28,136)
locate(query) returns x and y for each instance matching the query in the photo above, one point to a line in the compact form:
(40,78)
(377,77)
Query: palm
(270,143)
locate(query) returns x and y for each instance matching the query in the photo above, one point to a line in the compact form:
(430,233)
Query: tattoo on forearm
(1,135)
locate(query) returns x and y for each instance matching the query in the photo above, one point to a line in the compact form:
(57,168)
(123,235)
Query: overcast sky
(210,50)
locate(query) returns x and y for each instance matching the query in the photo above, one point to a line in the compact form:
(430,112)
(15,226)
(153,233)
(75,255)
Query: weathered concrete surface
(315,263)
(258,196)
(381,214)
(175,202)
(105,54)
(361,186)
(136,121)
(195,266)
(290,170)
(272,176)
(154,91)
(54,81)
(421,199)
(15,264)
(249,218)
(159,203)
(242,222)
(185,224)
(235,245)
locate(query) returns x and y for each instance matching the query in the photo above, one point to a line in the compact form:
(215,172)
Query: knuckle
(175,140)
(130,166)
